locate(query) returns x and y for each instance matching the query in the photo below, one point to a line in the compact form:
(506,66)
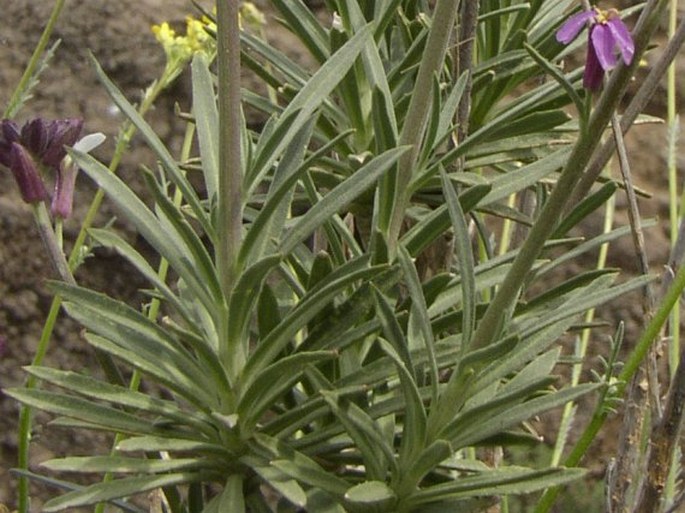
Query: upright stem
(490,325)
(24,83)
(673,202)
(433,57)
(230,167)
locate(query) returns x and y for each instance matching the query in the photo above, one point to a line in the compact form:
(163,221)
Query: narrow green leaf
(123,396)
(272,383)
(159,368)
(342,195)
(194,250)
(541,366)
(597,294)
(232,499)
(556,295)
(558,76)
(300,467)
(268,225)
(427,461)
(297,319)
(65,485)
(589,245)
(508,417)
(586,207)
(505,185)
(126,487)
(109,239)
(282,483)
(465,259)
(115,420)
(207,122)
(368,439)
(121,464)
(312,95)
(158,147)
(305,26)
(525,351)
(154,444)
(147,224)
(498,482)
(244,296)
(268,313)
(136,335)
(414,432)
(372,494)
(393,332)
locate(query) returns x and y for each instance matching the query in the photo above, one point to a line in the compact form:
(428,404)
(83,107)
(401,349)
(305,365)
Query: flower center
(604,17)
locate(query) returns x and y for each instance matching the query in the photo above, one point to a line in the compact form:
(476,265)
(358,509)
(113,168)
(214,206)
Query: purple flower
(38,145)
(607,32)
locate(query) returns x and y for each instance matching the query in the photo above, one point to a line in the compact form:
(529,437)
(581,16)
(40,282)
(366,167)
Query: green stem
(50,242)
(18,93)
(672,122)
(629,369)
(417,115)
(499,309)
(582,344)
(670,489)
(229,226)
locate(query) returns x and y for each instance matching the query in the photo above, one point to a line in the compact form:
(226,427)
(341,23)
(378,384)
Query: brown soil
(118,34)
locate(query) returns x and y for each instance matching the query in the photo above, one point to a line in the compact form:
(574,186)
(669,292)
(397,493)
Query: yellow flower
(198,38)
(253,17)
(177,48)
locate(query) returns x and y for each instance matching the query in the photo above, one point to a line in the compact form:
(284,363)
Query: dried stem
(664,439)
(628,455)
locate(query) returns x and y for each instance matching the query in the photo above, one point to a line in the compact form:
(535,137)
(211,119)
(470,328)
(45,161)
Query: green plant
(302,347)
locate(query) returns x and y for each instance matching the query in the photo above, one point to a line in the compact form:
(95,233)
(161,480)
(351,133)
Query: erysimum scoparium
(607,32)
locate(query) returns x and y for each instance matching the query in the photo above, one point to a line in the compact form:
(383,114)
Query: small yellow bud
(252,16)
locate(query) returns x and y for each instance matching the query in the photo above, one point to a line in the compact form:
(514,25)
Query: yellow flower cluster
(254,18)
(179,49)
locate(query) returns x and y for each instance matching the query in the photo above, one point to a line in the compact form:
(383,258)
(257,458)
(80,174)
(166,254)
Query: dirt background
(118,34)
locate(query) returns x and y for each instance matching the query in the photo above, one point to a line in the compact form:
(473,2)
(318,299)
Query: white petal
(90,142)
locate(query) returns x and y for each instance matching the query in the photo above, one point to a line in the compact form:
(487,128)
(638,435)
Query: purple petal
(63,198)
(9,133)
(573,26)
(593,75)
(26,175)
(622,38)
(65,132)
(34,136)
(602,40)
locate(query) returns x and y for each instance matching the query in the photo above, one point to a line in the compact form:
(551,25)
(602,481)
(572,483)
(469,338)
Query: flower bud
(26,175)
(65,183)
